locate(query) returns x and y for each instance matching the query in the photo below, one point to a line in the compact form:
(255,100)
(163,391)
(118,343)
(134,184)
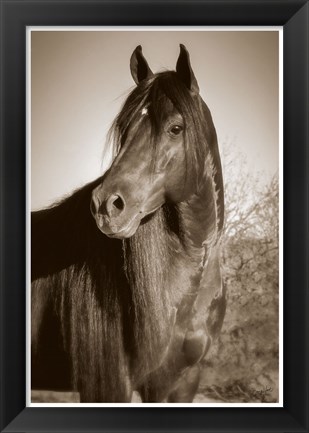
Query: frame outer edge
(14,424)
(296,168)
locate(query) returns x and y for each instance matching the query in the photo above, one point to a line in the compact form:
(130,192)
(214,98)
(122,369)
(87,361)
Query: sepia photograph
(155,192)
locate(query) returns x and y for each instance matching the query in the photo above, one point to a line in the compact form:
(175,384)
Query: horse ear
(139,67)
(184,70)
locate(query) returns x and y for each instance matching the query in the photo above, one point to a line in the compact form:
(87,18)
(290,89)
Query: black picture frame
(15,16)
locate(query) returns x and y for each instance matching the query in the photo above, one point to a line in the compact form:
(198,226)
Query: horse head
(159,133)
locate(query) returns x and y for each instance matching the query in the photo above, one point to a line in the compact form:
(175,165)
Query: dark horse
(126,285)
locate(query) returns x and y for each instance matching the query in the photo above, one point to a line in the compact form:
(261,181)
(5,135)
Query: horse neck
(163,264)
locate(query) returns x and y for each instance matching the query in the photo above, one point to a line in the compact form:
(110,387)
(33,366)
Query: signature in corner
(262,392)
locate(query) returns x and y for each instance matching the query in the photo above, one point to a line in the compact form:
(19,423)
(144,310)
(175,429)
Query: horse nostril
(118,203)
(115,205)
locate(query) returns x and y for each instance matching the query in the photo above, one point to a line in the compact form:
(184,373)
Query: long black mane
(106,293)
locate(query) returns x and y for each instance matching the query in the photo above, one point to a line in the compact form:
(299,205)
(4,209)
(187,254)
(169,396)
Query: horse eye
(176,130)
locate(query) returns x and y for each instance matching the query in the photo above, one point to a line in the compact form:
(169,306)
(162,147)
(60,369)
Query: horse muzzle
(113,218)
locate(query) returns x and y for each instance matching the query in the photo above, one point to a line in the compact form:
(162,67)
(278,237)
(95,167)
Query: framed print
(222,361)
(154,208)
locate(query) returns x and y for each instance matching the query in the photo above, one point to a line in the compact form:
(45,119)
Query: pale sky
(79,80)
